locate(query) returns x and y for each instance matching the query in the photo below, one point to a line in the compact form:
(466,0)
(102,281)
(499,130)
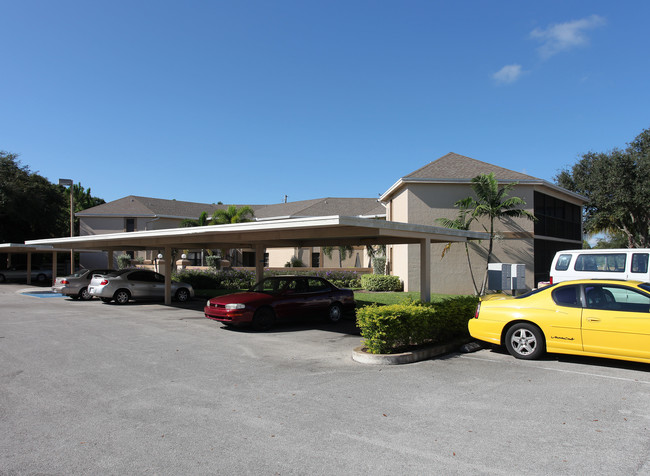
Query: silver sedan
(127,284)
(76,285)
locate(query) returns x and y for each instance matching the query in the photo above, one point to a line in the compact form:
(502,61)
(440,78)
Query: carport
(295,232)
(17,248)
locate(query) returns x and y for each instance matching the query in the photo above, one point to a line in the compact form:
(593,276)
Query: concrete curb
(358,354)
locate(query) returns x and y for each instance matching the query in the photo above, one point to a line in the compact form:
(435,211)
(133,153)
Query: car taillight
(551,281)
(478,308)
(104,282)
(65,281)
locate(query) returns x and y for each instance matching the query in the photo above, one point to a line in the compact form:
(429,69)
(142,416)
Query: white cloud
(508,74)
(564,36)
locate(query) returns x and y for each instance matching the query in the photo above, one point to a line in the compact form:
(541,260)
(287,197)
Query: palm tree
(188,222)
(462,222)
(233,214)
(344,250)
(494,203)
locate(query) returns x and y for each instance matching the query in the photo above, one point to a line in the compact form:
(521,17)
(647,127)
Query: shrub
(123,261)
(217,279)
(340,279)
(393,328)
(294,262)
(213,261)
(380,282)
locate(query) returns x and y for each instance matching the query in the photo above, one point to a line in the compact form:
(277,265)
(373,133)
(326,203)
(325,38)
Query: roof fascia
(385,198)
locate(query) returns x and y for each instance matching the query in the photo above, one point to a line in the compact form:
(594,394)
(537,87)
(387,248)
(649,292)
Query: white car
(127,284)
(76,285)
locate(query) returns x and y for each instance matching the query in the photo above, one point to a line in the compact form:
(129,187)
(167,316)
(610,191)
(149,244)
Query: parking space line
(587,374)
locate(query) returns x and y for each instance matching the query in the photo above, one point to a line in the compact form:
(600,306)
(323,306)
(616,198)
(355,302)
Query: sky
(246,101)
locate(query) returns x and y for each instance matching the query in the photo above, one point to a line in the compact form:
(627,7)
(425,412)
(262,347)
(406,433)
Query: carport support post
(425,270)
(168,275)
(55,266)
(109,259)
(29,268)
(259,262)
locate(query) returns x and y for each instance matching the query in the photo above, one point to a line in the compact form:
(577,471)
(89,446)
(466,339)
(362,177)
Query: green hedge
(395,328)
(217,279)
(380,282)
(243,279)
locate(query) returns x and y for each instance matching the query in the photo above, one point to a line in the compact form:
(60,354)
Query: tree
(233,214)
(30,206)
(82,201)
(493,203)
(343,250)
(462,222)
(201,221)
(616,186)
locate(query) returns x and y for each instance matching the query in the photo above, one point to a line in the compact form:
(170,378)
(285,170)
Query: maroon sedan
(281,297)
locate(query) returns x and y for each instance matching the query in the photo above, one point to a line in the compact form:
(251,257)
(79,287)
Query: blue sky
(246,101)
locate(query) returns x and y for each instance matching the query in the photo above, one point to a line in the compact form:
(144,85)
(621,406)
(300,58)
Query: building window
(129,224)
(557,218)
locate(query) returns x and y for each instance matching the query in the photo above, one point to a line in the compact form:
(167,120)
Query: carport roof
(313,231)
(21,248)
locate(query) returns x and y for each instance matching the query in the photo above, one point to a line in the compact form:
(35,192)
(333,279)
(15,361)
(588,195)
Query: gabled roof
(367,207)
(459,167)
(134,206)
(456,168)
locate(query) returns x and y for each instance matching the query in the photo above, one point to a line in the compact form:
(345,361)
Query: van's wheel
(122,296)
(2,278)
(84,295)
(41,278)
(263,319)
(525,341)
(335,312)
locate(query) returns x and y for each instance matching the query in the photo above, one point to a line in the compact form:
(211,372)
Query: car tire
(106,299)
(84,295)
(525,341)
(182,295)
(41,278)
(263,319)
(122,296)
(335,312)
(2,278)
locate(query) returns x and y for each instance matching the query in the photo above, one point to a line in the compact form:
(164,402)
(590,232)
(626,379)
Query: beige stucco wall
(423,204)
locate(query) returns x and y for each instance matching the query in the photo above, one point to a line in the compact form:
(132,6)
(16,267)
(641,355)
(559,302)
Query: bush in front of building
(217,278)
(398,327)
(381,282)
(123,261)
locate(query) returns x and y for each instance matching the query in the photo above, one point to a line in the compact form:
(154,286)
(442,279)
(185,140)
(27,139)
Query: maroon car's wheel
(263,319)
(335,312)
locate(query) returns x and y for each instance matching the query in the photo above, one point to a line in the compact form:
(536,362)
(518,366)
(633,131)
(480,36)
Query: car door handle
(593,319)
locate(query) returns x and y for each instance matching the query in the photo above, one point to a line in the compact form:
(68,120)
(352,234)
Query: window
(563,263)
(568,296)
(616,298)
(610,262)
(129,224)
(640,262)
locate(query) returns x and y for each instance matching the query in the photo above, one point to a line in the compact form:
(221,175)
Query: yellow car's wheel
(525,341)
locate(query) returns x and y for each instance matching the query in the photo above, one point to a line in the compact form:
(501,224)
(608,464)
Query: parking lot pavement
(94,388)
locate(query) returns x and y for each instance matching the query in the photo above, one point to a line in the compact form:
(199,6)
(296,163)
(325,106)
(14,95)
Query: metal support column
(168,275)
(259,262)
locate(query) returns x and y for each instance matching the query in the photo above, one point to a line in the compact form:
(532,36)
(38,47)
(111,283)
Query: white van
(626,263)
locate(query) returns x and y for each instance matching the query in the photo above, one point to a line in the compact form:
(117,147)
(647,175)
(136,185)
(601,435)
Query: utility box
(506,276)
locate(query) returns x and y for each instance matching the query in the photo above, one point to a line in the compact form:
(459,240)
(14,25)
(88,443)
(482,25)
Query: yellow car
(594,317)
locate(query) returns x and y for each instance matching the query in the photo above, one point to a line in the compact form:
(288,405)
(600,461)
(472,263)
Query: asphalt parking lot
(94,388)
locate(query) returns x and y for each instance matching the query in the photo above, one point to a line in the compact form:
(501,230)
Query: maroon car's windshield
(273,285)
